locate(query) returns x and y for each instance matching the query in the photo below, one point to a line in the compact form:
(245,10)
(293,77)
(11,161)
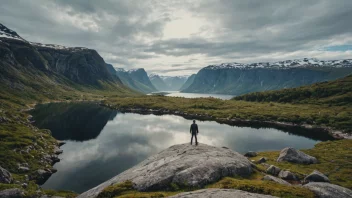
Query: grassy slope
(338,92)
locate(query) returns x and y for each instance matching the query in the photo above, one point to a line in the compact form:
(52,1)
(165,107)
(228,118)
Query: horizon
(177,38)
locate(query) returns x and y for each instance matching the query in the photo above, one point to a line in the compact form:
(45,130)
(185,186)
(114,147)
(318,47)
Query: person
(194,131)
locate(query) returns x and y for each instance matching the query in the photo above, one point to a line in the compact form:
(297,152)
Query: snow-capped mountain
(306,62)
(9,34)
(237,78)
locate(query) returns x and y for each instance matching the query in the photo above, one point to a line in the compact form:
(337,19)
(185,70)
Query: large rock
(273,170)
(327,190)
(41,176)
(287,175)
(220,193)
(12,193)
(183,165)
(275,179)
(5,176)
(316,176)
(295,156)
(250,154)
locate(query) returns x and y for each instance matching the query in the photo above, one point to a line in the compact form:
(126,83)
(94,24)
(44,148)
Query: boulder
(183,165)
(23,169)
(220,193)
(287,175)
(12,193)
(275,179)
(295,156)
(316,176)
(327,190)
(273,170)
(5,176)
(251,154)
(40,176)
(262,160)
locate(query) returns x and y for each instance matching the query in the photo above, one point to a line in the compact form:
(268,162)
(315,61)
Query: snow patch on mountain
(9,34)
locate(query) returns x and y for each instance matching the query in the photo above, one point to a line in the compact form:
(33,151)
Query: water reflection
(102,143)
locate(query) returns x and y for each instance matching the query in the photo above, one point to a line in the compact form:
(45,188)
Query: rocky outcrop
(295,156)
(5,176)
(316,176)
(273,170)
(287,175)
(12,193)
(250,154)
(220,193)
(182,165)
(327,190)
(40,176)
(262,160)
(275,179)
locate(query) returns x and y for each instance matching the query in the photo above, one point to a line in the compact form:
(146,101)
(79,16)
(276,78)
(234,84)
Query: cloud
(180,37)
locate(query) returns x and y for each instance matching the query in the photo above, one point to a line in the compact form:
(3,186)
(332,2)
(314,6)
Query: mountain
(46,68)
(136,79)
(168,83)
(236,78)
(111,69)
(188,82)
(158,82)
(336,92)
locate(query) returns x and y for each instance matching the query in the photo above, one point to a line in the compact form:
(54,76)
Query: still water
(196,95)
(102,143)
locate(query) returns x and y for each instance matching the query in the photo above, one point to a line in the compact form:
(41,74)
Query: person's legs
(191,138)
(195,136)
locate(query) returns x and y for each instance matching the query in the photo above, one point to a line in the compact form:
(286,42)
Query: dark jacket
(194,128)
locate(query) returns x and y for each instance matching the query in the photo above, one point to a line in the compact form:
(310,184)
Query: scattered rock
(12,193)
(220,193)
(275,179)
(57,151)
(262,160)
(40,176)
(327,190)
(295,156)
(273,170)
(287,175)
(5,176)
(251,154)
(23,169)
(24,185)
(182,165)
(316,176)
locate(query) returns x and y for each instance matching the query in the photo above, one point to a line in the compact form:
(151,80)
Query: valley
(51,93)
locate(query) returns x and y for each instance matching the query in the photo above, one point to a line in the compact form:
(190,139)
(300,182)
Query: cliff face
(136,79)
(241,80)
(33,65)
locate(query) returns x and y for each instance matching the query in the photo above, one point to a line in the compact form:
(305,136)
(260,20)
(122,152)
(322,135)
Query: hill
(136,79)
(337,92)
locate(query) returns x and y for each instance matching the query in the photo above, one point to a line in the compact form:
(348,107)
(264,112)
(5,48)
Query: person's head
(194,121)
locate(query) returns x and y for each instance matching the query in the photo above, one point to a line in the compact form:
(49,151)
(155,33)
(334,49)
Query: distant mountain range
(237,79)
(168,83)
(28,67)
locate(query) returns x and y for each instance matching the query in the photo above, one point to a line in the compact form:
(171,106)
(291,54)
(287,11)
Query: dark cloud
(132,33)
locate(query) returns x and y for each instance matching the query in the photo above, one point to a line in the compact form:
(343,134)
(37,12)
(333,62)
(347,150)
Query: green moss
(8,186)
(117,189)
(334,161)
(60,193)
(263,187)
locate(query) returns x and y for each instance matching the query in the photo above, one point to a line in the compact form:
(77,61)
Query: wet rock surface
(295,156)
(183,165)
(220,193)
(327,190)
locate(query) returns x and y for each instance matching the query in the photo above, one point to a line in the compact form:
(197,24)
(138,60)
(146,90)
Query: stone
(316,176)
(287,175)
(220,193)
(295,156)
(12,193)
(183,165)
(24,185)
(327,190)
(262,160)
(275,179)
(57,151)
(5,176)
(40,176)
(23,169)
(273,170)
(251,154)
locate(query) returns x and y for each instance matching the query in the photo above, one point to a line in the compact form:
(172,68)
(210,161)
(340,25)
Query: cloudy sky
(175,37)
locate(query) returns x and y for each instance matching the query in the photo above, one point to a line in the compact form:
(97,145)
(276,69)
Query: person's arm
(190,130)
(197,128)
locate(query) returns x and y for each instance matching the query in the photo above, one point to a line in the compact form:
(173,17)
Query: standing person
(194,131)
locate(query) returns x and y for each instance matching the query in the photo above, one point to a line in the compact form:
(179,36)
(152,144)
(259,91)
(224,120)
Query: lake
(195,95)
(102,143)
